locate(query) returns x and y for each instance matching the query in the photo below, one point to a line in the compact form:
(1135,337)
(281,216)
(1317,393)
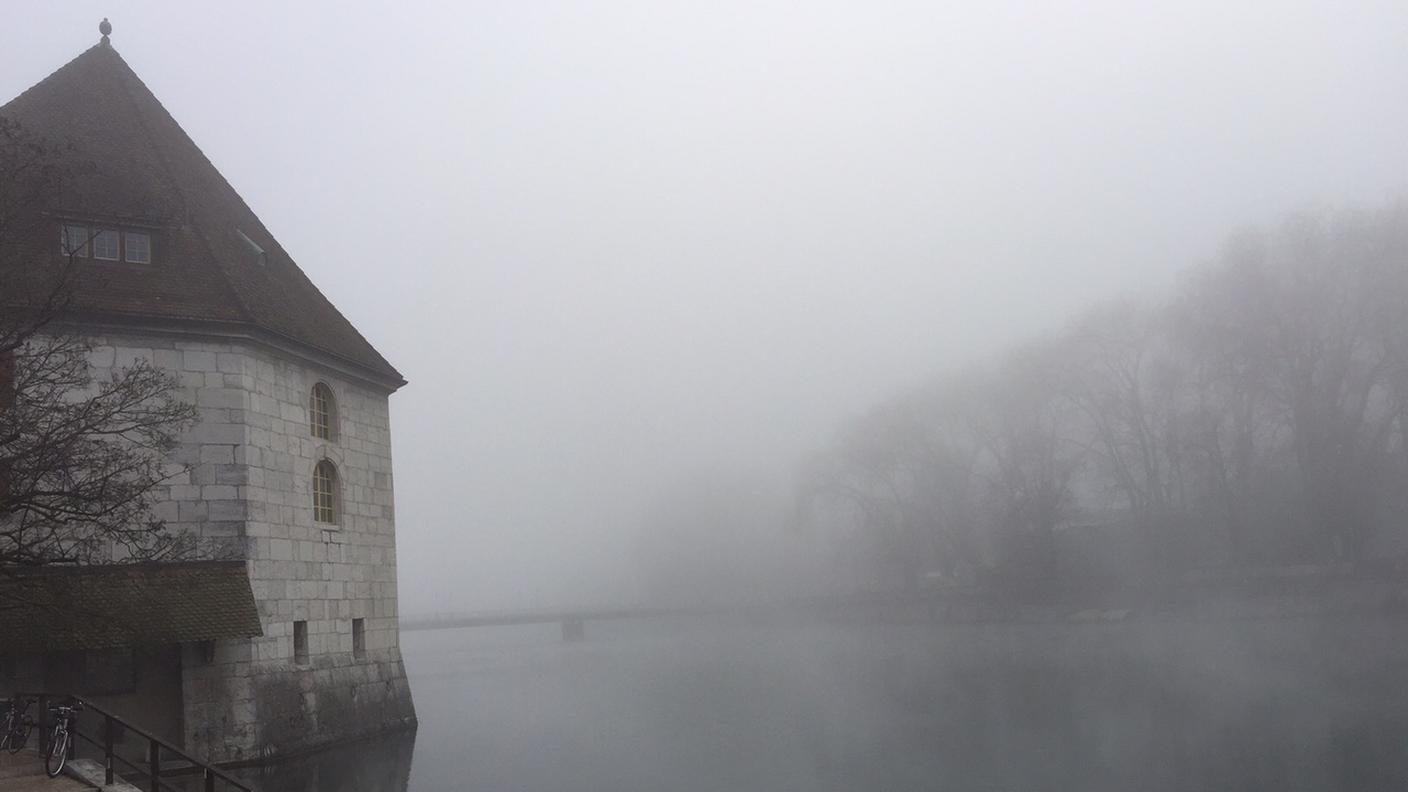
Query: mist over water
(802,704)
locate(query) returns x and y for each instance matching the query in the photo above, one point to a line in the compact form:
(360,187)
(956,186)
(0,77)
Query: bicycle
(59,738)
(15,728)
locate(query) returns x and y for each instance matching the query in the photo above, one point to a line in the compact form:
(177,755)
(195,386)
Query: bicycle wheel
(16,732)
(58,752)
(19,736)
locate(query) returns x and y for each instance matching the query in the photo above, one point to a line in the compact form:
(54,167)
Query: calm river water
(809,706)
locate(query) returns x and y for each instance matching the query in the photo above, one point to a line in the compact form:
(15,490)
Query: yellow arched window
(322,412)
(325,492)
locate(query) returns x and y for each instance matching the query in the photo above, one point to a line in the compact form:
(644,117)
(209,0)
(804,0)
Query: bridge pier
(574,629)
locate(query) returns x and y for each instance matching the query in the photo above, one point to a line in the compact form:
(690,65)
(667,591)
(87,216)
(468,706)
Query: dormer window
(74,241)
(105,244)
(137,247)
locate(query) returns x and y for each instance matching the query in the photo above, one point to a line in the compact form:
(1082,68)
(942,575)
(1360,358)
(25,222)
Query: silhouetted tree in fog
(1258,416)
(1025,430)
(1309,315)
(905,474)
(80,456)
(1129,386)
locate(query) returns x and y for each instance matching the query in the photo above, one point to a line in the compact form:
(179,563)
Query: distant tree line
(1258,416)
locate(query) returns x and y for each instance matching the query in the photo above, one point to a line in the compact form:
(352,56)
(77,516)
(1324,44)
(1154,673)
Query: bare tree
(1130,387)
(1259,416)
(1027,433)
(1307,314)
(80,457)
(905,475)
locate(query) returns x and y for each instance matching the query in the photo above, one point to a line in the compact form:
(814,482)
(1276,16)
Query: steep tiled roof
(97,607)
(131,162)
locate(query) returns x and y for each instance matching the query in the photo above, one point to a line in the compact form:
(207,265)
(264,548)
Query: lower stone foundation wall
(239,711)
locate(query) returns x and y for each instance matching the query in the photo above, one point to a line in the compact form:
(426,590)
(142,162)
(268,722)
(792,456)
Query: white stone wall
(245,488)
(204,494)
(326,574)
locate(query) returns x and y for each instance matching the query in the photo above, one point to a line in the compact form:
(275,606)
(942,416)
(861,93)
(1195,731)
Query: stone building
(283,636)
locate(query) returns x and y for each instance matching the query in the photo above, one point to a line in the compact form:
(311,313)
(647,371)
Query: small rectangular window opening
(74,241)
(105,245)
(359,638)
(137,247)
(300,642)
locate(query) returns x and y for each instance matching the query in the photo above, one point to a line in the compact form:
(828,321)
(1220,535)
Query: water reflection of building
(283,633)
(382,764)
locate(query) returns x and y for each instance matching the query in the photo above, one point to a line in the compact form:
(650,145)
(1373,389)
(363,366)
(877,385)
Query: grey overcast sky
(612,243)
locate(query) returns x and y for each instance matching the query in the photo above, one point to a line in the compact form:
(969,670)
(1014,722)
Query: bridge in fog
(573,621)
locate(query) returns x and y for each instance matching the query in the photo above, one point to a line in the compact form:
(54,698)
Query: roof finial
(105,27)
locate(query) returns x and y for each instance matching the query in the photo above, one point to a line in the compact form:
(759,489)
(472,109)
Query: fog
(620,246)
(801,396)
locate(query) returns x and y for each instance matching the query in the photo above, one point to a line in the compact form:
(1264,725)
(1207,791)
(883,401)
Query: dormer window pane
(137,246)
(74,241)
(105,245)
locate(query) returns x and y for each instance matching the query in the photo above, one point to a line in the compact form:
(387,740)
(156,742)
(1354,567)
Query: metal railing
(161,756)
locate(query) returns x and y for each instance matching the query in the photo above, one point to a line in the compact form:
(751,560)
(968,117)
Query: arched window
(322,412)
(325,492)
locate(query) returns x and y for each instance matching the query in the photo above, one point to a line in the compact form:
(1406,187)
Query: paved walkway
(24,772)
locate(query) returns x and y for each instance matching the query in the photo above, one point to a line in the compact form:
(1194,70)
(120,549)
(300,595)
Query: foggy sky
(614,244)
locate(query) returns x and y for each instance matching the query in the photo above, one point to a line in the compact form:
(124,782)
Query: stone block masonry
(242,486)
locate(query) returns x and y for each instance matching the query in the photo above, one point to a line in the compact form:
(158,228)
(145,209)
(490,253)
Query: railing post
(107,749)
(154,762)
(209,780)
